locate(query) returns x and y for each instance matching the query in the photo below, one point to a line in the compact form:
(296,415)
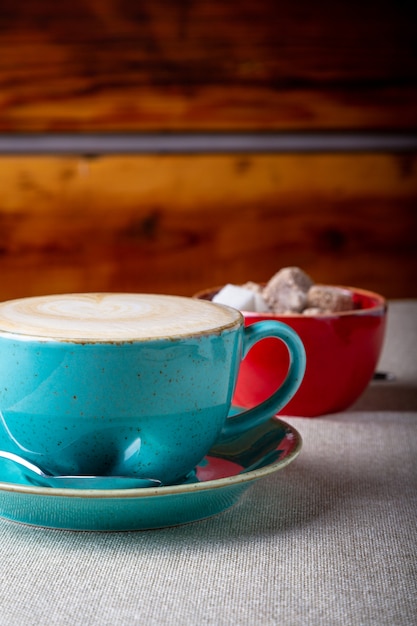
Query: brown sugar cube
(330,299)
(286,291)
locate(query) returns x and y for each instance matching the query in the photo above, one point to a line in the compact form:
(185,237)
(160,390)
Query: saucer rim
(181,489)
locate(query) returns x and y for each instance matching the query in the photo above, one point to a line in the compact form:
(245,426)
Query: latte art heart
(112,317)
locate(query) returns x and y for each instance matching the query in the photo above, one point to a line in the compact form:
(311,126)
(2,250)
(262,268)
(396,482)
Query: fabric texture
(329,540)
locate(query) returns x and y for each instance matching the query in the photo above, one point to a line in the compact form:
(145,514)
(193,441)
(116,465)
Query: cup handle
(239,423)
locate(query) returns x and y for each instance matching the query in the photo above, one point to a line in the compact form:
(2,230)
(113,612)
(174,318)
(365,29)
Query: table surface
(329,540)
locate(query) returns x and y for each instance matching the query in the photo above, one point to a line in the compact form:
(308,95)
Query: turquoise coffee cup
(131,384)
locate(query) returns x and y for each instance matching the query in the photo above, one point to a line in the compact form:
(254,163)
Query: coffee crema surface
(113,317)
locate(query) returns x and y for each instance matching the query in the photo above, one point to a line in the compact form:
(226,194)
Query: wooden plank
(202,65)
(176,224)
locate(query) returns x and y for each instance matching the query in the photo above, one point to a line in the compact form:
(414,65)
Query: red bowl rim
(379,306)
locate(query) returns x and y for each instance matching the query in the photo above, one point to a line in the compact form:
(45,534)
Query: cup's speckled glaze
(148,403)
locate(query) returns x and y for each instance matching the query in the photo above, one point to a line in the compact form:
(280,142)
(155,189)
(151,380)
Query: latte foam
(104,317)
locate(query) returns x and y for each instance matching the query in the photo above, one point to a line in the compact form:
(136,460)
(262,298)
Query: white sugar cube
(236,297)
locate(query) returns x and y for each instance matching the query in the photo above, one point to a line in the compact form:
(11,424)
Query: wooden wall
(176,223)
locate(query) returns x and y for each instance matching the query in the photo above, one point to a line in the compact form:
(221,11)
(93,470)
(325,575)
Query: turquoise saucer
(216,484)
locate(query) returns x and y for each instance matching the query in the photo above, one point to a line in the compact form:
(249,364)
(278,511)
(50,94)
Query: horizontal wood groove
(178,143)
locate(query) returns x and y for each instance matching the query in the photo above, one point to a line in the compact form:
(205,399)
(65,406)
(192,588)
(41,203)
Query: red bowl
(342,352)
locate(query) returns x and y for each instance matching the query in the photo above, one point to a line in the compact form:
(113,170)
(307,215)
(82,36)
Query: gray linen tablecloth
(329,540)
